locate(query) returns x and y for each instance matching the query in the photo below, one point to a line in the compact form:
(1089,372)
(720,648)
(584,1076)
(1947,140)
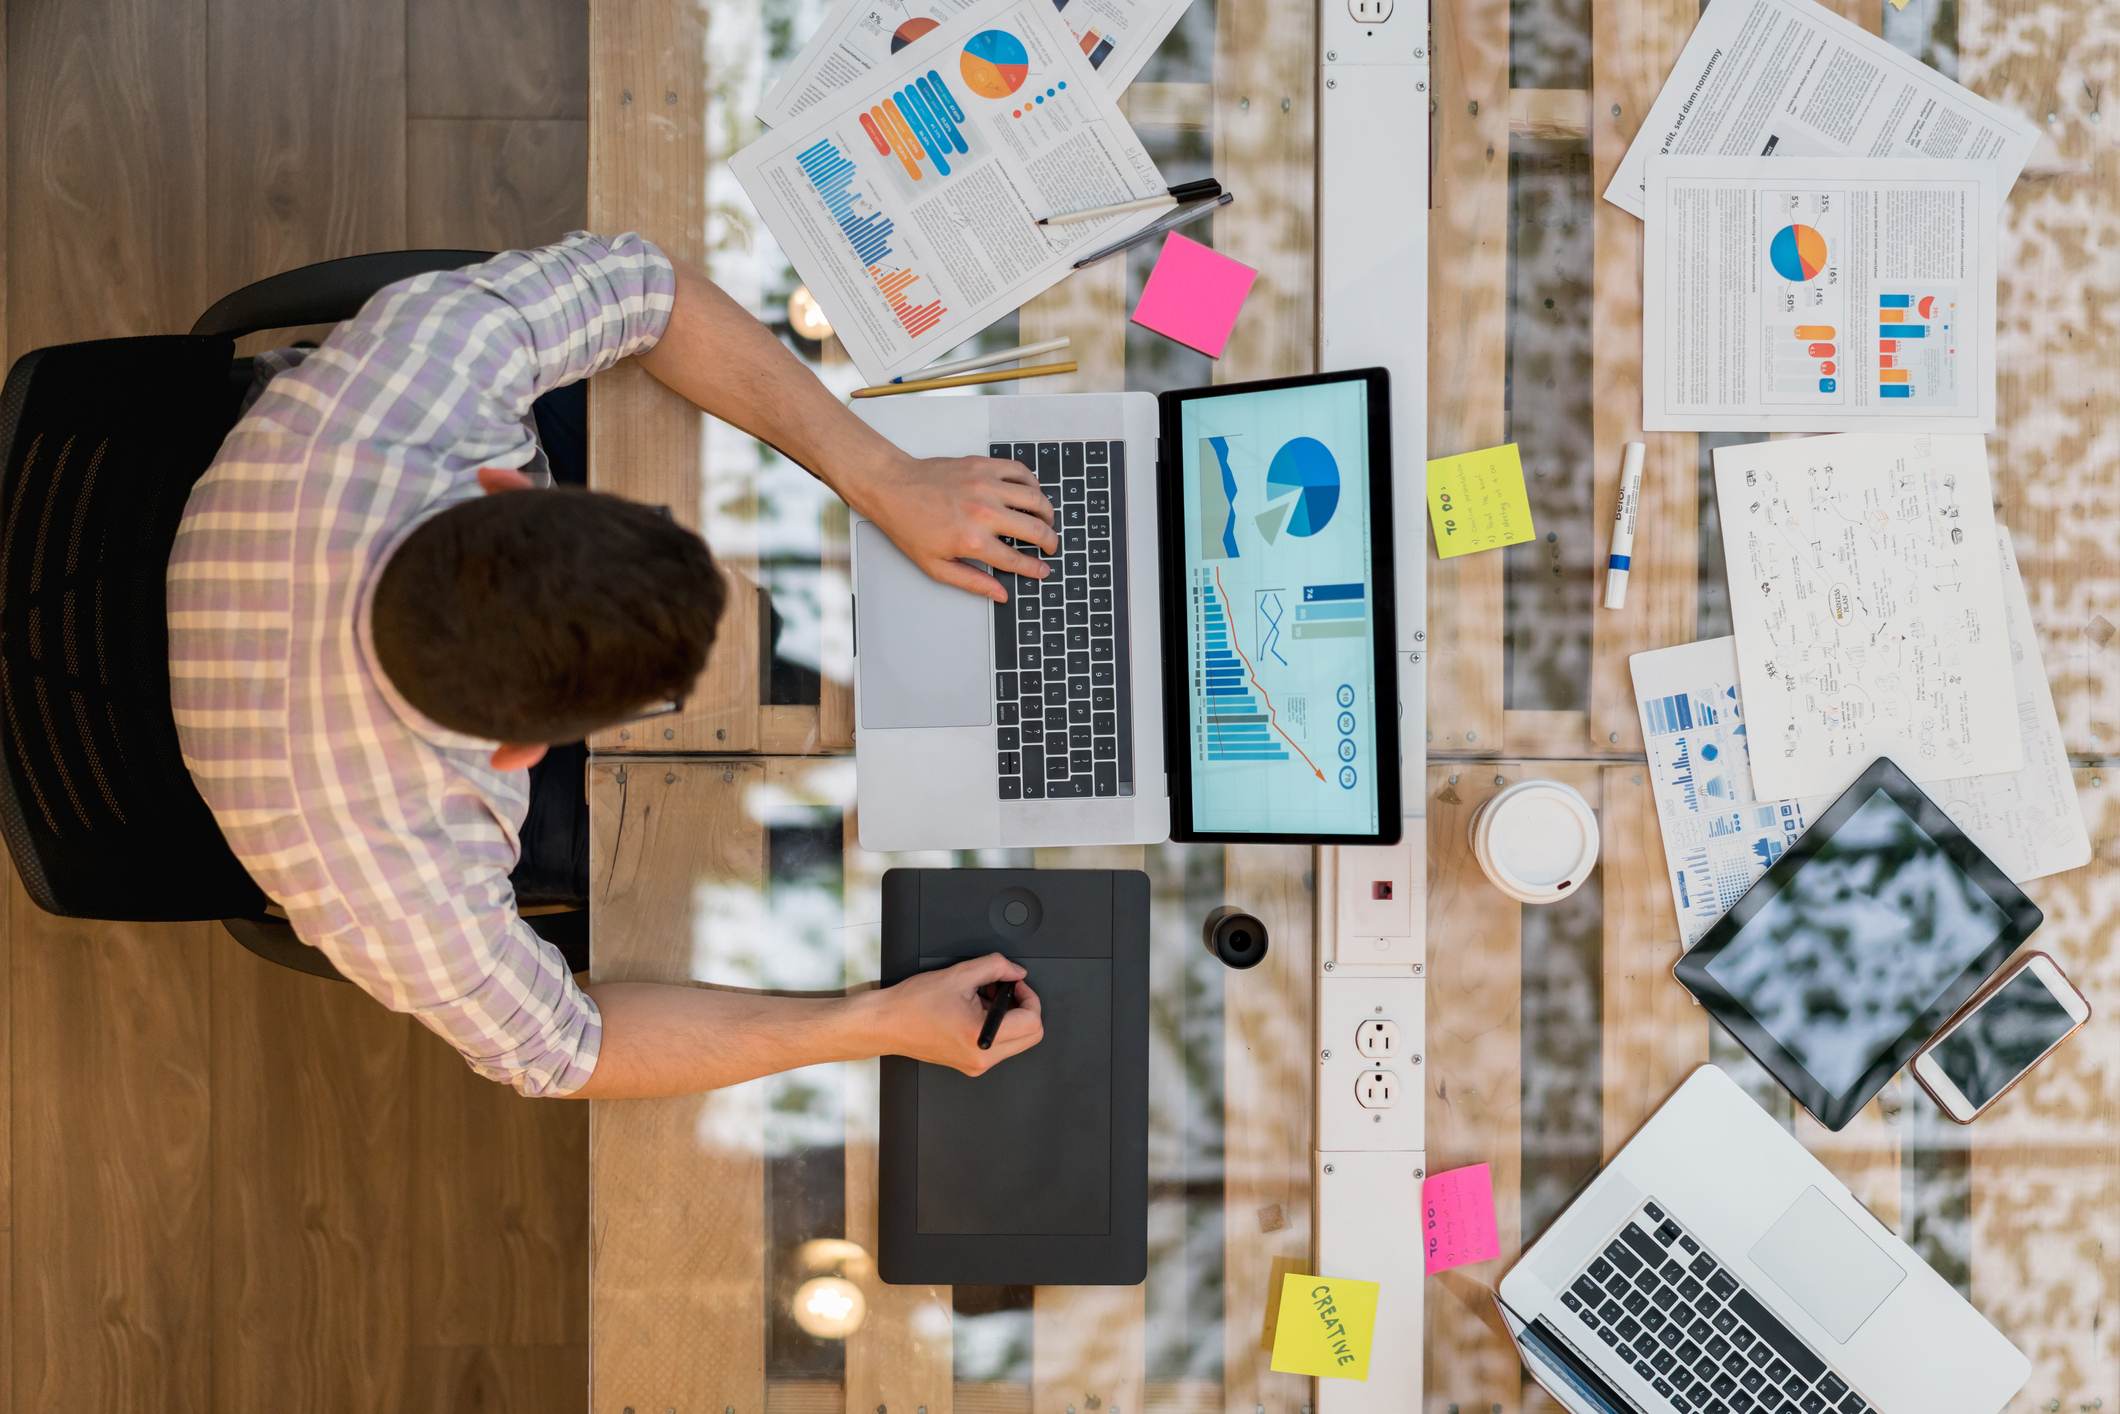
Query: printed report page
(1818,295)
(909,204)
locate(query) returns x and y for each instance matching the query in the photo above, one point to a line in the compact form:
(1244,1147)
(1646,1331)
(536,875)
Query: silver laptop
(1716,1267)
(973,727)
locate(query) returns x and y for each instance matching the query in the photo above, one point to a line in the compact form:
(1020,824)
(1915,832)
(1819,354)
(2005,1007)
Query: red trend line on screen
(1230,614)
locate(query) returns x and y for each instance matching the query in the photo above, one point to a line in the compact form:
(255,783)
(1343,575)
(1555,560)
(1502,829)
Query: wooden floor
(229,1186)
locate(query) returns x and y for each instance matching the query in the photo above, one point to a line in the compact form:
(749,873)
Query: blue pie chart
(1304,465)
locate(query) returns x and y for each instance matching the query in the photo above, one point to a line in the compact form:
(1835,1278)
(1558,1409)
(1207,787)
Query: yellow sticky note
(1476,501)
(1327,1324)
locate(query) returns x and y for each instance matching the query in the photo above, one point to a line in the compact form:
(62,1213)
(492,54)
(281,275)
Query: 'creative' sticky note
(1193,295)
(1477,501)
(1457,1218)
(1327,1324)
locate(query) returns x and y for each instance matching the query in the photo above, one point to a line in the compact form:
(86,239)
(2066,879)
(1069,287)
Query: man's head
(540,617)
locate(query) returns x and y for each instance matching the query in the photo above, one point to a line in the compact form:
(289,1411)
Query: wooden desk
(725,851)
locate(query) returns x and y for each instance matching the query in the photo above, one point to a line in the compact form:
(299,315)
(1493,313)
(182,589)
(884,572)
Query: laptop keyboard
(1664,1305)
(1063,703)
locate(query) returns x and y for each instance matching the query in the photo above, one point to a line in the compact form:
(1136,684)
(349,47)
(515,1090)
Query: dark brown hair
(540,616)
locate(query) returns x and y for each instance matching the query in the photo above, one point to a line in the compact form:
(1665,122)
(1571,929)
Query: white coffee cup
(1536,840)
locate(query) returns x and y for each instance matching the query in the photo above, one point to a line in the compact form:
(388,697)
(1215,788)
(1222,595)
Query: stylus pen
(1182,192)
(1181,217)
(1622,557)
(996,1008)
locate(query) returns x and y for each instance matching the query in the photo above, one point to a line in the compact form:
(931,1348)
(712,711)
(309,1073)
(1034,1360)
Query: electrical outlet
(1369,12)
(1378,1040)
(1377,1090)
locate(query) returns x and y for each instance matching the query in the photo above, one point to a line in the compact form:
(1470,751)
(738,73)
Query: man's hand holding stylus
(936,1016)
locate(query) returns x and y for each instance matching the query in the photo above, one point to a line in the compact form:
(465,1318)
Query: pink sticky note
(1457,1218)
(1193,295)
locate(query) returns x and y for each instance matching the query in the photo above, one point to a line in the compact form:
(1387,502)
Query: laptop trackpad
(1827,1265)
(924,646)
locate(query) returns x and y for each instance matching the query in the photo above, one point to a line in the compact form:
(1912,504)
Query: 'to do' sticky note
(1193,295)
(1327,1325)
(1477,501)
(1457,1218)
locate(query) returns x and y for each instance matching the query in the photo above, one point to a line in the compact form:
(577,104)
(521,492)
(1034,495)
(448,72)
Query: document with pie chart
(909,201)
(1799,294)
(860,36)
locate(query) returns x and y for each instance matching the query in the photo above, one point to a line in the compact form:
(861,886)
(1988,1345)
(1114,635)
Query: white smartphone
(2015,1022)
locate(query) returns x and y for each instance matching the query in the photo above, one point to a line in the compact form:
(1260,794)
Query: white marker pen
(1622,557)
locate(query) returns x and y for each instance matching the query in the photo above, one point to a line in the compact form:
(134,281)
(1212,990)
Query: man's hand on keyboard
(944,510)
(936,1016)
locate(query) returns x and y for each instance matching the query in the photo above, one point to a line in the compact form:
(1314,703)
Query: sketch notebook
(1035,1173)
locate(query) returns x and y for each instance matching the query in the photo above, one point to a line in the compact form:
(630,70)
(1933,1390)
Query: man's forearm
(721,359)
(674,1040)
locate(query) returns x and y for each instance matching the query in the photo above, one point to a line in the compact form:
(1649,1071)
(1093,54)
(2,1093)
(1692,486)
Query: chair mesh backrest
(102,443)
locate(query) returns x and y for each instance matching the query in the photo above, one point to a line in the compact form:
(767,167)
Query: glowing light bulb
(805,317)
(830,1308)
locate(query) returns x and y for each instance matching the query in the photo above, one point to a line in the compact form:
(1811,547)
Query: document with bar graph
(1798,294)
(909,201)
(1718,839)
(1282,648)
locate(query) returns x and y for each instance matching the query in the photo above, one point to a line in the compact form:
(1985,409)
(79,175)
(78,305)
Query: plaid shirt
(389,839)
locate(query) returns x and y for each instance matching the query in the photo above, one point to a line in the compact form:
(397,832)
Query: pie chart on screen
(911,30)
(1305,466)
(1798,253)
(994,63)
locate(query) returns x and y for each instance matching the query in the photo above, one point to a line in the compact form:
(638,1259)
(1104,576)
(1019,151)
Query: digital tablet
(1280,688)
(1857,944)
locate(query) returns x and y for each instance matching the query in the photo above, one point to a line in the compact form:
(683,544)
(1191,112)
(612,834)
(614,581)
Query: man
(377,627)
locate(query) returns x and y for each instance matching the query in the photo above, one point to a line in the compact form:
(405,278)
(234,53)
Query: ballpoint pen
(1172,222)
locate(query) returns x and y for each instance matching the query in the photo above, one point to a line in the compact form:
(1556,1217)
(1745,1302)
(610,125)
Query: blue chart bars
(832,173)
(1332,611)
(1235,724)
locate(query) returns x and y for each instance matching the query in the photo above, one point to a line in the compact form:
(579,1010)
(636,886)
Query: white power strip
(1373,149)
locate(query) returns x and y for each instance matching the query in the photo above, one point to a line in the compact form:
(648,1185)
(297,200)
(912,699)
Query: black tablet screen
(1861,941)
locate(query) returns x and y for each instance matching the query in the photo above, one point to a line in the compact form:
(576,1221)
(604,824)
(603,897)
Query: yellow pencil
(997,376)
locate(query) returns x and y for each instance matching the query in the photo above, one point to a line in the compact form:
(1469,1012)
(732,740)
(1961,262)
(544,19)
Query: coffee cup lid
(1537,840)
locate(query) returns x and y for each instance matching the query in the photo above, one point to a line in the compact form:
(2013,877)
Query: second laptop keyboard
(1063,698)
(1665,1306)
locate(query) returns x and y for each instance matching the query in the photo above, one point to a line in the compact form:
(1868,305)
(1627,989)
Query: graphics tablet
(1858,944)
(1278,611)
(1035,1173)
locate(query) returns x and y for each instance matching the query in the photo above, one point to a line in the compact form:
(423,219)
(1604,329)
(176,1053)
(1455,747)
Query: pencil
(966,365)
(1000,375)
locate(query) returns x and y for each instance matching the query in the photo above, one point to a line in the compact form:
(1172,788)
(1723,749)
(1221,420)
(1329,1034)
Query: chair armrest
(323,293)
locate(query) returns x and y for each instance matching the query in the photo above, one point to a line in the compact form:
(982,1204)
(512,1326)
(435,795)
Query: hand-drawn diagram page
(1866,593)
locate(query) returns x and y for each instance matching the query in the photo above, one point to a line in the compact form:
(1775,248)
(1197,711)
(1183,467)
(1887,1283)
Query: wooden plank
(1634,43)
(1088,1343)
(1089,307)
(901,1358)
(1549,112)
(107,226)
(456,1379)
(1468,273)
(1655,1034)
(2045,1163)
(1474,1084)
(494,183)
(1267,1113)
(677,1186)
(497,58)
(311,1224)
(2056,453)
(647,163)
(1186,107)
(111,1164)
(1542,734)
(499,1211)
(310,166)
(1265,148)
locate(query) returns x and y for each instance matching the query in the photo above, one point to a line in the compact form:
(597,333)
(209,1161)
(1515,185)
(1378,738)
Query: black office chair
(100,445)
